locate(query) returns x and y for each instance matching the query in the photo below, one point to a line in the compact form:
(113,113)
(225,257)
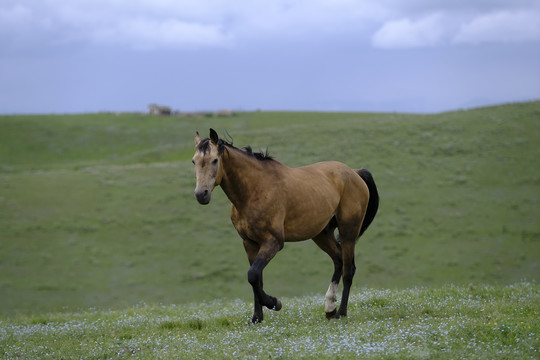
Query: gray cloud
(501,26)
(167,24)
(446,23)
(406,33)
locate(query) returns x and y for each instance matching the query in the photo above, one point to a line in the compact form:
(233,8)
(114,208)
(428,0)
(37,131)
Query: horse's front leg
(265,253)
(252,249)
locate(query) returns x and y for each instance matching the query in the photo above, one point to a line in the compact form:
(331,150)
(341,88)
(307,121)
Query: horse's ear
(197,138)
(214,136)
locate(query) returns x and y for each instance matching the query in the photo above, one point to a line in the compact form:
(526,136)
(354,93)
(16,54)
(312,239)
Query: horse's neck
(242,176)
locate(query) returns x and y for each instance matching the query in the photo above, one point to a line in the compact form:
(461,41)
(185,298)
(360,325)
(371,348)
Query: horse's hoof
(277,307)
(256,319)
(332,315)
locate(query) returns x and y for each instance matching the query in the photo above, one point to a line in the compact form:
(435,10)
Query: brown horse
(273,204)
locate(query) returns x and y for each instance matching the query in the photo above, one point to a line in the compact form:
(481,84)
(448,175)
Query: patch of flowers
(445,323)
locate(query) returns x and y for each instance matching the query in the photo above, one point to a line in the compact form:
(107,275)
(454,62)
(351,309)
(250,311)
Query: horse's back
(315,193)
(334,173)
(353,190)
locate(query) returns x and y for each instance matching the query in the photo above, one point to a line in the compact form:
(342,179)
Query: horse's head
(207,161)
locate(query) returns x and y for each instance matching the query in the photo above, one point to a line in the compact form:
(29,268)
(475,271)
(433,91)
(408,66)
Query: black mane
(258,155)
(262,156)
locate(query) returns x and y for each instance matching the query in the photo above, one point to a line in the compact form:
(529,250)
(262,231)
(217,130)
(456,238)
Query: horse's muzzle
(203,196)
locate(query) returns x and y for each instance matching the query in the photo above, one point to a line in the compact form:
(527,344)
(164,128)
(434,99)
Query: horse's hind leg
(327,242)
(349,216)
(349,269)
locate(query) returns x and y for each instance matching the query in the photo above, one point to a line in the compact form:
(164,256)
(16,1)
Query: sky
(77,56)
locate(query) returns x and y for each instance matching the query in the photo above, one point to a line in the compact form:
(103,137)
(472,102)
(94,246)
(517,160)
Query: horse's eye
(215,162)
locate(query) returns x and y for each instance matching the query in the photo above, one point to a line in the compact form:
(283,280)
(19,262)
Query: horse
(273,204)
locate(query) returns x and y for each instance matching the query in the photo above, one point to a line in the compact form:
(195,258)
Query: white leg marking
(331,298)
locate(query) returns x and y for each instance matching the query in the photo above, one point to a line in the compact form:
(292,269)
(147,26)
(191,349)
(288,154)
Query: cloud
(14,16)
(465,26)
(149,34)
(195,24)
(19,20)
(502,26)
(151,24)
(405,33)
(316,17)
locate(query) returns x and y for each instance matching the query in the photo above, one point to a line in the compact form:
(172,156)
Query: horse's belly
(307,225)
(296,228)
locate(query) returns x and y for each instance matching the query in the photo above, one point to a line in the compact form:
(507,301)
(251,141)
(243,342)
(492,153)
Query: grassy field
(97,210)
(470,322)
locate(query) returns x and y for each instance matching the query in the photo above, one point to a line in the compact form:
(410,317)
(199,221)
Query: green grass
(468,322)
(98,211)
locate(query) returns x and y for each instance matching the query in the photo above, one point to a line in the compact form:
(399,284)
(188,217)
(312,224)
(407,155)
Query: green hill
(97,210)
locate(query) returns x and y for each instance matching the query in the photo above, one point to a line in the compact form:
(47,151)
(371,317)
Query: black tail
(373,204)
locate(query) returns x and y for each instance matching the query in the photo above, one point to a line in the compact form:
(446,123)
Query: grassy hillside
(98,210)
(437,323)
